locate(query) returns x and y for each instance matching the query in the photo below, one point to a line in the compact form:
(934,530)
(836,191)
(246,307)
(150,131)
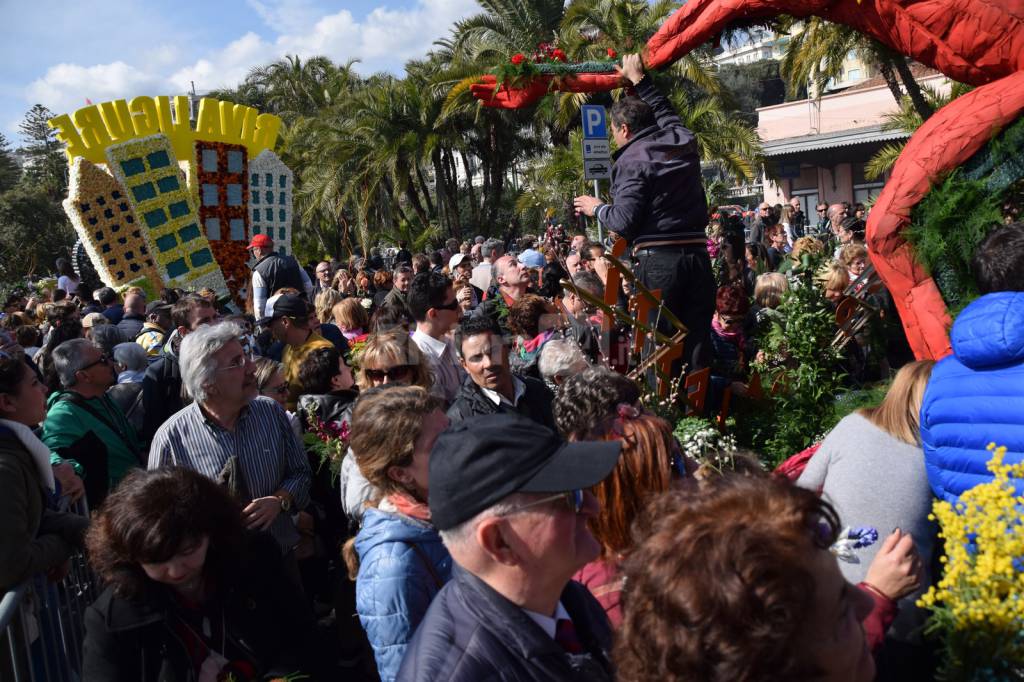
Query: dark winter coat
(656,182)
(536,403)
(34,538)
(473,634)
(266,621)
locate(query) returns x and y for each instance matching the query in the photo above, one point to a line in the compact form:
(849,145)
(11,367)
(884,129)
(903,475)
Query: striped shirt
(270,455)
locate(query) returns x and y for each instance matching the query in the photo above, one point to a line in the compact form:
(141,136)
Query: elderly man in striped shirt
(232,436)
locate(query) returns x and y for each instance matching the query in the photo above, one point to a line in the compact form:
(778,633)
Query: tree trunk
(451,187)
(470,192)
(426,191)
(414,200)
(886,69)
(921,105)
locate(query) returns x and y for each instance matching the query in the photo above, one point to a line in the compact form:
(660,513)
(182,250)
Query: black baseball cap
(284,305)
(155,307)
(479,461)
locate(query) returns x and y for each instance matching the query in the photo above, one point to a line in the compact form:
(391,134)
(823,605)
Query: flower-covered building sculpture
(142,223)
(270,205)
(106,223)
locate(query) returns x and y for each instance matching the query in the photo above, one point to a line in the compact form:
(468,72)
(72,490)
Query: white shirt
(547,623)
(518,391)
(448,374)
(481,277)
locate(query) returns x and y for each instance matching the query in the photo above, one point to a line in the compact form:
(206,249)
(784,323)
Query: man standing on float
(658,207)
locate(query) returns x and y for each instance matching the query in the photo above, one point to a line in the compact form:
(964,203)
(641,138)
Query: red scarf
(410,506)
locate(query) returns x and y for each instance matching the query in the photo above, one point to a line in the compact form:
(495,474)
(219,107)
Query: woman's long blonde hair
(386,421)
(325,302)
(899,415)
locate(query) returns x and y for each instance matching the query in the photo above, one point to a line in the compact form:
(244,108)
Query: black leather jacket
(656,184)
(536,403)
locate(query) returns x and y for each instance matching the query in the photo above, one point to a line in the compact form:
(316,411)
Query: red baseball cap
(260,241)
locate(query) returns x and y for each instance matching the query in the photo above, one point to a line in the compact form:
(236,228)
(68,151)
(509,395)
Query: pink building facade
(817,149)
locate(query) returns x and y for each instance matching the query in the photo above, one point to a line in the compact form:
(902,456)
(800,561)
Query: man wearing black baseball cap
(287,315)
(511,501)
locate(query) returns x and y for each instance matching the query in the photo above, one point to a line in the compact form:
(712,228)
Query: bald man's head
(135,304)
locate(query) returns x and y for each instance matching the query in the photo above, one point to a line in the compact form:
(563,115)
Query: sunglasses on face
(393,374)
(729,320)
(454,305)
(572,498)
(104,359)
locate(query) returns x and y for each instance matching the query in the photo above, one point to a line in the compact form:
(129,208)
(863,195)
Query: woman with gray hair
(131,361)
(235,436)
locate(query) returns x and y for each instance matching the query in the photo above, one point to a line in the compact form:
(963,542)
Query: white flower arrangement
(701,440)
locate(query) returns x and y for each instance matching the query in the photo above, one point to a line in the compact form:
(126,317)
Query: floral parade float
(158,200)
(974,42)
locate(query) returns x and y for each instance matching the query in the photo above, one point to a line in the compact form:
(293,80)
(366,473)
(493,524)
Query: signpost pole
(600,235)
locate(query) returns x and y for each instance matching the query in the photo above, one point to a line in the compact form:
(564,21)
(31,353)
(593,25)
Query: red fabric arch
(980,42)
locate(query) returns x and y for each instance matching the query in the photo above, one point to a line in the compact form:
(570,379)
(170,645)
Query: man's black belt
(671,247)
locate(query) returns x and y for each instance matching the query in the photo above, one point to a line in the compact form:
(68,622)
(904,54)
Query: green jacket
(67,422)
(33,538)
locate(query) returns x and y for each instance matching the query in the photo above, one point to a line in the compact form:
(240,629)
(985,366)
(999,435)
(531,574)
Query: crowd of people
(495,501)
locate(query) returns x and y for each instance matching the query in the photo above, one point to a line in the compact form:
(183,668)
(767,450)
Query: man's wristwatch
(286,503)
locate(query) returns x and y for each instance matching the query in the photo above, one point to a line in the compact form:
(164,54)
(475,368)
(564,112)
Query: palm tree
(817,49)
(724,139)
(907,119)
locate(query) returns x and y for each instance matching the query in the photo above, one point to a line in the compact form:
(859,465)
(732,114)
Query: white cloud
(223,68)
(287,16)
(65,87)
(384,40)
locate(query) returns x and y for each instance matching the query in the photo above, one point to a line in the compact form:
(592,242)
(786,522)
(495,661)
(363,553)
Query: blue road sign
(594,122)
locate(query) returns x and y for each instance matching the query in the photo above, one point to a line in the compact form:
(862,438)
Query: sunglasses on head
(392,374)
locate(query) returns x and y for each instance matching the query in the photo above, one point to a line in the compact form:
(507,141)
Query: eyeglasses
(393,374)
(729,320)
(822,209)
(280,389)
(236,364)
(104,359)
(572,498)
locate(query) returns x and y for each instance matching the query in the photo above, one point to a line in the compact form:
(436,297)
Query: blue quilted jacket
(976,396)
(394,586)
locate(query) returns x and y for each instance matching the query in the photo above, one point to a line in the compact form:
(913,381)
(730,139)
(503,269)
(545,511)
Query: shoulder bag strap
(426,560)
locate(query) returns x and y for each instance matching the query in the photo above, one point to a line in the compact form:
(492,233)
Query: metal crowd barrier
(42,624)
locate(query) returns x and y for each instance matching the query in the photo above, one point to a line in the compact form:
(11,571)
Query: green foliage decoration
(956,215)
(799,360)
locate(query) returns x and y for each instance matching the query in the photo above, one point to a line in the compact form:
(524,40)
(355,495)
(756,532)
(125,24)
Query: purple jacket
(656,184)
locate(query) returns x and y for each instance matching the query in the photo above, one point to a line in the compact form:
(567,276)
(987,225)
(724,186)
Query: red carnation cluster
(612,53)
(518,58)
(546,52)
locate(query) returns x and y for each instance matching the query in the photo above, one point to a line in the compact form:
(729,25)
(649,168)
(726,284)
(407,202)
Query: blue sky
(60,53)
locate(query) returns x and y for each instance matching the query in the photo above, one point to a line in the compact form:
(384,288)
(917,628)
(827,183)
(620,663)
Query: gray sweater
(873,479)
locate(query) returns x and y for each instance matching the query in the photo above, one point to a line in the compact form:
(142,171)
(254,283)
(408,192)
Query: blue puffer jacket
(976,396)
(395,586)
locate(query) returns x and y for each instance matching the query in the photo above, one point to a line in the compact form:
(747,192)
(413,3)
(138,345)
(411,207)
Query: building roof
(842,138)
(919,71)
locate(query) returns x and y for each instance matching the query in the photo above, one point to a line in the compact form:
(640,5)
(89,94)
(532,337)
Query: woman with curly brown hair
(736,583)
(190,594)
(649,464)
